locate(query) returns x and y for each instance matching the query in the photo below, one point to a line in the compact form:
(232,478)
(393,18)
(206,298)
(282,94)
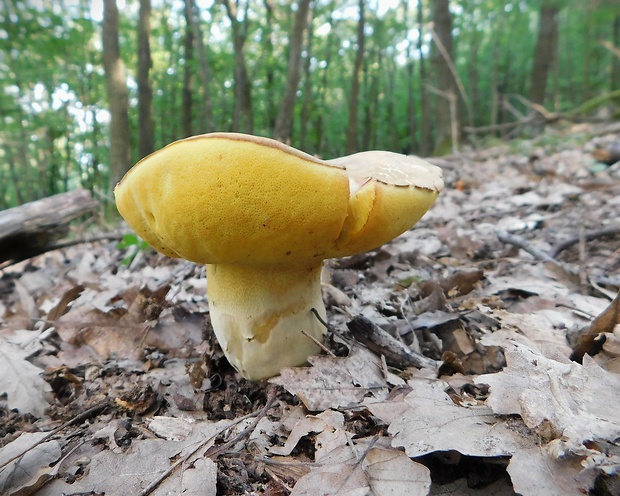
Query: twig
(77,419)
(525,245)
(609,45)
(215,452)
(320,319)
(218,450)
(318,343)
(359,461)
(583,274)
(588,236)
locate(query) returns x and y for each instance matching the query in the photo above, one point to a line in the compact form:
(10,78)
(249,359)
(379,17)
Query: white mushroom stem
(258,314)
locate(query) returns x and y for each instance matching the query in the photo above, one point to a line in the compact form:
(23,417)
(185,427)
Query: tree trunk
(474,86)
(615,62)
(272,111)
(320,115)
(307,92)
(442,20)
(188,80)
(426,144)
(208,123)
(546,49)
(411,111)
(146,127)
(243,115)
(351,146)
(284,121)
(120,153)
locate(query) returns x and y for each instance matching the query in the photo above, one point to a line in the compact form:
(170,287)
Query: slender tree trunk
(272,111)
(546,49)
(320,116)
(188,80)
(351,146)
(412,127)
(115,75)
(474,87)
(427,123)
(306,105)
(393,139)
(442,20)
(146,127)
(208,123)
(615,62)
(284,121)
(243,115)
(495,70)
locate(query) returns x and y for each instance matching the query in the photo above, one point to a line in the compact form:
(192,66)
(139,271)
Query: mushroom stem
(258,313)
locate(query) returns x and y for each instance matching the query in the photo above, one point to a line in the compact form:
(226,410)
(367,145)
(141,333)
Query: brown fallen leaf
(334,382)
(432,421)
(329,425)
(378,472)
(21,381)
(26,474)
(574,404)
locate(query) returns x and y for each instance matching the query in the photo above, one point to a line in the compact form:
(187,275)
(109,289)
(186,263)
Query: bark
(146,126)
(615,62)
(243,115)
(31,228)
(426,144)
(272,111)
(546,49)
(320,115)
(284,121)
(351,146)
(208,123)
(474,86)
(442,20)
(412,126)
(188,80)
(307,92)
(115,75)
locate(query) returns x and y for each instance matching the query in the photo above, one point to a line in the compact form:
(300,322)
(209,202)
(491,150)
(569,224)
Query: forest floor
(113,383)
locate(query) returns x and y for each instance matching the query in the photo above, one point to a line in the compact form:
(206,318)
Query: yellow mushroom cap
(227,198)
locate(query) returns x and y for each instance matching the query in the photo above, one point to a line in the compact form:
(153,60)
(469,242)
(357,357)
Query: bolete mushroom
(263,216)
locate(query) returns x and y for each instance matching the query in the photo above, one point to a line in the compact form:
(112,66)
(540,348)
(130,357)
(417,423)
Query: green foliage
(53,103)
(133,244)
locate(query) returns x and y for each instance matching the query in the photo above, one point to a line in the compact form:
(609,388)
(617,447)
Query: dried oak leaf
(146,461)
(574,405)
(577,402)
(27,473)
(379,472)
(433,422)
(334,382)
(21,381)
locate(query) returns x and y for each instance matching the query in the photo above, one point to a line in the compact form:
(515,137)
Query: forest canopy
(88,88)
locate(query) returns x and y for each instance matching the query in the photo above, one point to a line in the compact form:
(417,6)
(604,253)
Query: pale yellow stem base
(258,314)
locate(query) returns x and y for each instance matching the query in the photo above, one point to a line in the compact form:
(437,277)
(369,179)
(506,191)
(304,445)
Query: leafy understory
(112,381)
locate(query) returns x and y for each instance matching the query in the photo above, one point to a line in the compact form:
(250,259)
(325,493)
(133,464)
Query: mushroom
(263,216)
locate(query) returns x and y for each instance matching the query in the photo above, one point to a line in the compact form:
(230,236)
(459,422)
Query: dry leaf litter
(112,382)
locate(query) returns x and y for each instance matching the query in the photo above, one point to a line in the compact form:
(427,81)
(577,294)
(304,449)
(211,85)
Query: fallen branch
(588,236)
(396,354)
(30,229)
(525,245)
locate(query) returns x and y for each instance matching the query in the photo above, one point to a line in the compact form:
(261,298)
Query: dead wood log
(33,228)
